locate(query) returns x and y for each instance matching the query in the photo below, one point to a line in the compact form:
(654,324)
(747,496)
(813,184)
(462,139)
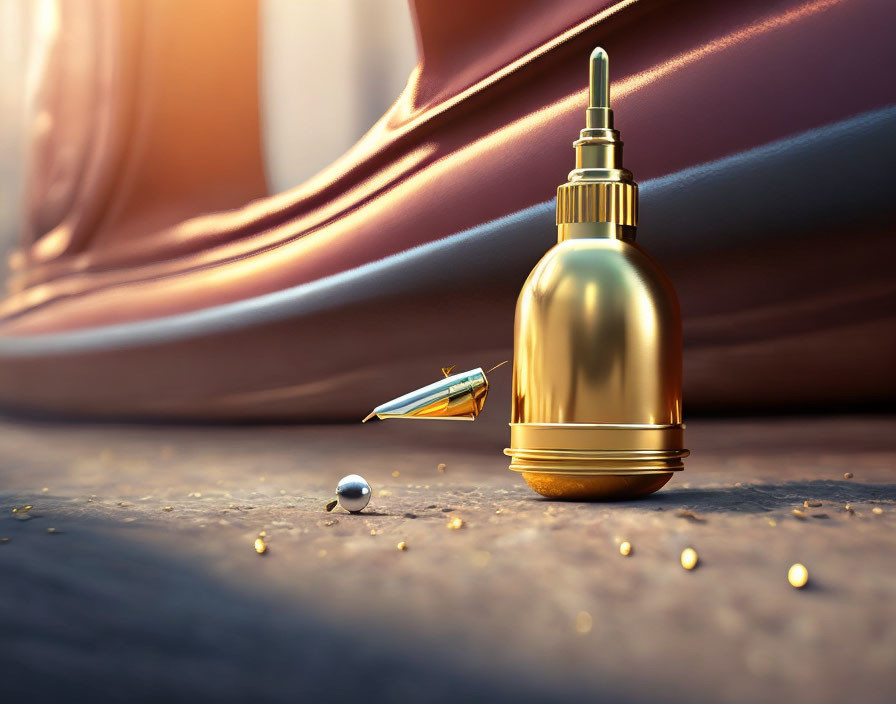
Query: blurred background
(273,181)
(328,71)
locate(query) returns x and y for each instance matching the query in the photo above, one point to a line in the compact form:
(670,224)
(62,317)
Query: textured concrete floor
(529,601)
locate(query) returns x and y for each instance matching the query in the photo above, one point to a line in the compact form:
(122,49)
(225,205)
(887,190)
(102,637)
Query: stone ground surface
(529,601)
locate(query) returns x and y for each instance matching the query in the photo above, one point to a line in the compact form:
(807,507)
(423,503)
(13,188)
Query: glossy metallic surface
(353,493)
(596,409)
(457,397)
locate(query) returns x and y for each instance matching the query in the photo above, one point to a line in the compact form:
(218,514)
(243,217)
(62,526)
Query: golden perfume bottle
(596,411)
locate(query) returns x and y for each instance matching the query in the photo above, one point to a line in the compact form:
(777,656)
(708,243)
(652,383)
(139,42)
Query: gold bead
(402,545)
(625,548)
(848,475)
(260,546)
(583,622)
(689,558)
(798,576)
(456,523)
(877,510)
(442,467)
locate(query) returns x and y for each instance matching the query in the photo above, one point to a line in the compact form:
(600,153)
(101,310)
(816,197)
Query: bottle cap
(601,197)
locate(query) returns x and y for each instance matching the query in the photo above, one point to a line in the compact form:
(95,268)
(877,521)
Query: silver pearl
(353,493)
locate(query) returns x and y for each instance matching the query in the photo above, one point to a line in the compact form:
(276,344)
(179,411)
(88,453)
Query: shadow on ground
(758,498)
(107,617)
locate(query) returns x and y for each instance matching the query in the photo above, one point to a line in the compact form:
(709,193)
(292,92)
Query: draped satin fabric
(156,279)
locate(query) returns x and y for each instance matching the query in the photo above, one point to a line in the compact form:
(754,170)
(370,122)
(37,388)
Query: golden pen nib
(596,403)
(457,397)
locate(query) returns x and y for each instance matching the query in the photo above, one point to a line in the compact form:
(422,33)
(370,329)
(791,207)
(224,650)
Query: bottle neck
(601,197)
(592,230)
(598,148)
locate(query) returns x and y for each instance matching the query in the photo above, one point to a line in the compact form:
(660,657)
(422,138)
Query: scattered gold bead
(402,545)
(850,510)
(51,530)
(772,522)
(848,475)
(456,523)
(373,531)
(384,492)
(625,548)
(689,558)
(442,467)
(396,473)
(798,576)
(583,622)
(167,508)
(877,510)
(260,546)
(262,534)
(799,514)
(811,504)
(45,490)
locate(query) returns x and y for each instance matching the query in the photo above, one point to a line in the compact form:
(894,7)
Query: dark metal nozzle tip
(599,83)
